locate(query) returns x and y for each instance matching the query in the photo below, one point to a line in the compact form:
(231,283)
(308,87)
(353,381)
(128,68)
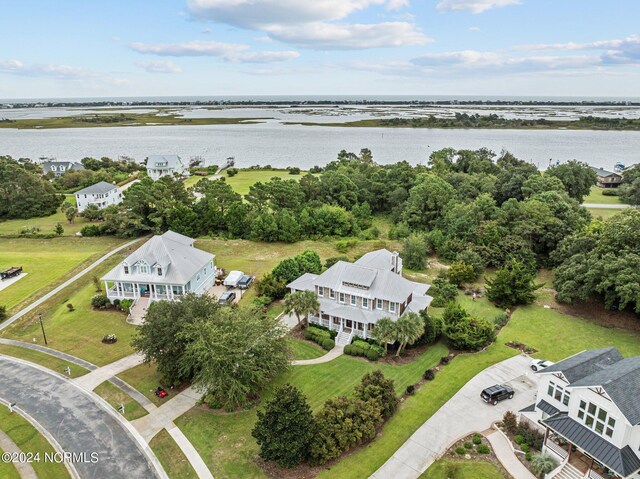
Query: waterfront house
(354,296)
(165,165)
(59,168)
(589,406)
(164,268)
(101,194)
(607,179)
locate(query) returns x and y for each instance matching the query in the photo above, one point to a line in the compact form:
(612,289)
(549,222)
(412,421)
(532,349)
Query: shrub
(70,307)
(477,439)
(411,389)
(294,170)
(465,331)
(429,375)
(374,355)
(100,301)
(518,439)
(542,464)
(3,313)
(611,192)
(468,445)
(374,386)
(501,320)
(125,305)
(359,347)
(232,172)
(524,447)
(510,422)
(461,450)
(316,169)
(345,245)
(483,449)
(91,230)
(444,360)
(328,344)
(530,436)
(527,456)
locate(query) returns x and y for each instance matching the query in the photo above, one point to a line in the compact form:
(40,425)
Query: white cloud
(16,67)
(232,52)
(312,24)
(474,29)
(474,6)
(160,66)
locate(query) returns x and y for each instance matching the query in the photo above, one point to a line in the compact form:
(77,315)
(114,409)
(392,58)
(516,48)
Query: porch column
(106,288)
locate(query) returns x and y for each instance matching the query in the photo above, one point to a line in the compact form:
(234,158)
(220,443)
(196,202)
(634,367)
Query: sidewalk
(96,377)
(25,469)
(330,356)
(502,448)
(162,417)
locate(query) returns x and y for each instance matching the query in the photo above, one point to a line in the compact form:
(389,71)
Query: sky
(117,48)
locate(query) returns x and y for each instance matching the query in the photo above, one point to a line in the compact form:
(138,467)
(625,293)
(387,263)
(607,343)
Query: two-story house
(607,179)
(589,405)
(165,165)
(59,168)
(101,194)
(354,296)
(164,268)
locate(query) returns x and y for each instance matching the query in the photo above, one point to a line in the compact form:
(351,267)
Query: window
(332,294)
(320,291)
(596,418)
(558,393)
(159,271)
(126,269)
(365,303)
(353,300)
(379,304)
(198,278)
(341,297)
(392,307)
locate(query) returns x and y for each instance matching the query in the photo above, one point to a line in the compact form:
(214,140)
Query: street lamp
(42,326)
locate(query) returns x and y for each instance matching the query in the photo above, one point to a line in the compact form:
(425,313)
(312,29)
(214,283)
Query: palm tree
(302,303)
(408,329)
(384,332)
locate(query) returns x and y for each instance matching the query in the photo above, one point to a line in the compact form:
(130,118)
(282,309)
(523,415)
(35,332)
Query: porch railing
(594,475)
(556,449)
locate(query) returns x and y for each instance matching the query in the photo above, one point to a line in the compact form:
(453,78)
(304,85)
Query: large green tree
(374,386)
(464,331)
(385,332)
(427,201)
(408,329)
(512,285)
(577,178)
(630,193)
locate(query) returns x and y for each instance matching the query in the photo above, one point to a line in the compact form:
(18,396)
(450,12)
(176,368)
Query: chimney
(394,262)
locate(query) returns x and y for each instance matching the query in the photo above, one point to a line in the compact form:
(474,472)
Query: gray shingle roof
(172,161)
(99,188)
(584,364)
(172,235)
(379,259)
(68,165)
(623,461)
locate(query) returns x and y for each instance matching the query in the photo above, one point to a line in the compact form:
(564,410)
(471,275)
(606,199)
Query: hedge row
(320,336)
(373,352)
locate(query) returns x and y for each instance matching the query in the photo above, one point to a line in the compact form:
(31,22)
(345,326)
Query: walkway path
(57,289)
(502,448)
(603,206)
(79,421)
(98,376)
(192,455)
(25,469)
(5,283)
(463,414)
(330,356)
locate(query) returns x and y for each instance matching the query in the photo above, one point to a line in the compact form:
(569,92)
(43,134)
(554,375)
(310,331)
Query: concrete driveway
(77,422)
(218,290)
(463,414)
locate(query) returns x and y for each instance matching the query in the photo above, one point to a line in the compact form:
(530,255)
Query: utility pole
(42,326)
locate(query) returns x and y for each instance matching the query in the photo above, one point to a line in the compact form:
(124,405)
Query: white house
(164,268)
(354,296)
(165,165)
(589,405)
(101,194)
(59,168)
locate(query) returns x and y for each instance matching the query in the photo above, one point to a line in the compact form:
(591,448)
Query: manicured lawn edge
(116,396)
(43,359)
(173,460)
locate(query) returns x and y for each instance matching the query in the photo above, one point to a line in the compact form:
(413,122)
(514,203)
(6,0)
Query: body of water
(304,146)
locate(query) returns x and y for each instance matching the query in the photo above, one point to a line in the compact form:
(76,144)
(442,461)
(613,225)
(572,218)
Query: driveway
(463,414)
(76,421)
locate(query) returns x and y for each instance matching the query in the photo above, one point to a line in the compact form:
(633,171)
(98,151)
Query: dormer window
(159,271)
(320,291)
(126,269)
(378,303)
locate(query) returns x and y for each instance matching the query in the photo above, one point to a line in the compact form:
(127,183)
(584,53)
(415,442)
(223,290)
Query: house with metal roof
(354,296)
(59,168)
(589,405)
(165,165)
(164,268)
(101,194)
(607,179)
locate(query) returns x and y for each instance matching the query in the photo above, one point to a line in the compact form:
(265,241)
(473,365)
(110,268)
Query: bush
(477,439)
(461,450)
(501,320)
(524,447)
(444,360)
(610,192)
(527,456)
(429,375)
(232,172)
(294,170)
(91,230)
(518,439)
(328,344)
(468,445)
(345,245)
(316,169)
(375,386)
(70,307)
(371,351)
(510,422)
(464,331)
(530,436)
(442,291)
(125,305)
(483,449)
(411,389)
(542,464)
(100,301)
(3,313)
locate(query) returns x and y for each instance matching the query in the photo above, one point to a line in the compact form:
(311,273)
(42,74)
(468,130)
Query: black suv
(497,393)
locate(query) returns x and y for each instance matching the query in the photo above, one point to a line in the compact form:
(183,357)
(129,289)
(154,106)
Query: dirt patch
(521,347)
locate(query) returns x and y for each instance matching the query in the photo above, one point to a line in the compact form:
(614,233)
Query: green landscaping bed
(173,460)
(47,262)
(448,469)
(43,359)
(28,439)
(116,396)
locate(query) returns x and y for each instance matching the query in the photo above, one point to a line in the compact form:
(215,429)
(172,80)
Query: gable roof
(584,364)
(99,188)
(172,235)
(172,161)
(68,165)
(180,260)
(379,259)
(603,173)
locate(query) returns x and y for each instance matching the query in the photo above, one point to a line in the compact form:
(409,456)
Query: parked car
(539,364)
(245,282)
(227,297)
(496,393)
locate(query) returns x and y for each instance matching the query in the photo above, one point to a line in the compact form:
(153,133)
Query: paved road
(76,421)
(463,414)
(605,206)
(54,291)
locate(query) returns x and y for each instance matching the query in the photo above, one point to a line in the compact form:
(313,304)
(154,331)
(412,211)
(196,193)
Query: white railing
(552,446)
(594,475)
(114,293)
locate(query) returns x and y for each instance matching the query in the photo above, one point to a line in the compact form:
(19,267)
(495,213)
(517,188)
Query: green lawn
(43,359)
(596,196)
(449,469)
(192,180)
(47,262)
(79,332)
(8,470)
(245,178)
(305,349)
(116,396)
(171,457)
(28,439)
(145,378)
(603,213)
(46,224)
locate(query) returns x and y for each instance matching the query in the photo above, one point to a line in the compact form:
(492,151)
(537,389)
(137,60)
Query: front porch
(568,453)
(134,290)
(353,328)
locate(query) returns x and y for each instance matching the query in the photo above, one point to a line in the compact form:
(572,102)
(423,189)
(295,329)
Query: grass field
(28,439)
(603,213)
(171,457)
(46,224)
(79,332)
(192,180)
(43,359)
(47,262)
(145,378)
(448,469)
(596,196)
(305,349)
(8,470)
(116,396)
(245,178)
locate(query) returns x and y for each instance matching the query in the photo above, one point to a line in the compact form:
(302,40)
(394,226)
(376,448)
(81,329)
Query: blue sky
(332,47)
